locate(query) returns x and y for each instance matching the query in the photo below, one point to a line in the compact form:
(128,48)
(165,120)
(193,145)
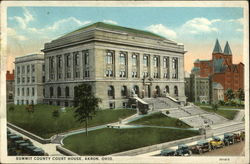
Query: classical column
(63,67)
(170,67)
(72,65)
(81,64)
(151,65)
(140,71)
(161,66)
(56,69)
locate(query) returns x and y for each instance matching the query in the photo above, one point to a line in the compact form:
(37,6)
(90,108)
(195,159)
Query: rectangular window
(33,91)
(86,57)
(68,60)
(33,67)
(18,80)
(18,70)
(165,62)
(22,91)
(18,92)
(43,80)
(23,69)
(28,91)
(134,59)
(33,79)
(43,67)
(76,57)
(109,57)
(28,68)
(123,58)
(59,60)
(146,60)
(156,75)
(28,79)
(23,79)
(134,74)
(86,73)
(145,74)
(156,61)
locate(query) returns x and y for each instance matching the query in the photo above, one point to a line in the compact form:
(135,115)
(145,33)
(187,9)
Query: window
(122,58)
(67,91)
(156,75)
(23,69)
(59,92)
(51,91)
(76,58)
(68,60)
(22,91)
(33,67)
(111,92)
(109,73)
(59,60)
(146,60)
(109,57)
(43,80)
(33,91)
(33,79)
(134,59)
(86,57)
(122,74)
(18,80)
(156,61)
(176,90)
(124,91)
(18,70)
(18,92)
(165,75)
(68,74)
(167,89)
(28,79)
(28,68)
(175,68)
(165,62)
(145,74)
(23,79)
(43,67)
(86,73)
(28,92)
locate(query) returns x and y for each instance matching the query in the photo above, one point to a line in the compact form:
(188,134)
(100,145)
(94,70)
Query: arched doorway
(136,89)
(167,89)
(111,92)
(175,90)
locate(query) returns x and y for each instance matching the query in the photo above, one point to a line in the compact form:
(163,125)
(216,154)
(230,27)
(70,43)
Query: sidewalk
(48,148)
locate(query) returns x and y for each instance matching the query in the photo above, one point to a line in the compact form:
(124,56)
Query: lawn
(44,125)
(229,114)
(108,141)
(159,119)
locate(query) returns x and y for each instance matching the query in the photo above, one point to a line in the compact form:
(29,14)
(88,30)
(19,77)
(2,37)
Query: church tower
(228,54)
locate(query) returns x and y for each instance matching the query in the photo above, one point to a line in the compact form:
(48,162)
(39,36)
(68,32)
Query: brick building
(10,86)
(221,68)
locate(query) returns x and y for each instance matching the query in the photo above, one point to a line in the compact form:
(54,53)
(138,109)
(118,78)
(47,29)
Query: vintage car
(228,139)
(183,150)
(167,152)
(216,142)
(201,147)
(237,137)
(242,135)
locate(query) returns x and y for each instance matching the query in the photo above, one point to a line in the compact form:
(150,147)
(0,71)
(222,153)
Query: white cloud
(162,30)
(13,34)
(199,25)
(110,21)
(23,21)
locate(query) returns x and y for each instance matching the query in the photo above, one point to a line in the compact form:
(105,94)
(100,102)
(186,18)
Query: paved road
(236,149)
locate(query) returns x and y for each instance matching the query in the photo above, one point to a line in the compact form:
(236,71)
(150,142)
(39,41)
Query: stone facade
(29,79)
(115,61)
(218,92)
(198,89)
(10,89)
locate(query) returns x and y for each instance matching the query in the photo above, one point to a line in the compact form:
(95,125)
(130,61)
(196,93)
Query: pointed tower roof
(217,48)
(227,49)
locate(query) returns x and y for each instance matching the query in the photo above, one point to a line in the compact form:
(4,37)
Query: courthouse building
(29,79)
(116,61)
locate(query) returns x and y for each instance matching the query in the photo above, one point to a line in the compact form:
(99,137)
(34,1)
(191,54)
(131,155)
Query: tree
(87,104)
(55,115)
(229,94)
(11,108)
(241,94)
(215,106)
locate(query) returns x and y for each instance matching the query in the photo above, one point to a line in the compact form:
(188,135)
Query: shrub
(11,108)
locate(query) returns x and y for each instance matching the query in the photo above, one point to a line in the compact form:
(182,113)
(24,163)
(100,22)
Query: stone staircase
(161,103)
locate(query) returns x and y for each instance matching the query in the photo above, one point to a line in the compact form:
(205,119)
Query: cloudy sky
(197,28)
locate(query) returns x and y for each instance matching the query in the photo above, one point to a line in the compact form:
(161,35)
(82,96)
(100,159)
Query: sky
(28,28)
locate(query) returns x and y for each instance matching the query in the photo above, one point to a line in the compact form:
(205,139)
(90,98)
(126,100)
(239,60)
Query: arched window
(59,93)
(51,91)
(67,91)
(136,89)
(176,90)
(111,91)
(124,91)
(167,89)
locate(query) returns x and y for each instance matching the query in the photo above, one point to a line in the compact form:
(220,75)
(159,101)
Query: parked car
(183,150)
(167,152)
(237,137)
(216,142)
(228,139)
(201,147)
(242,135)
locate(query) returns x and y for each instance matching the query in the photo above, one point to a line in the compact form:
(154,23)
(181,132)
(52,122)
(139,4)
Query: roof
(219,65)
(227,49)
(115,28)
(217,47)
